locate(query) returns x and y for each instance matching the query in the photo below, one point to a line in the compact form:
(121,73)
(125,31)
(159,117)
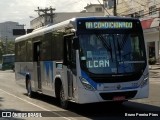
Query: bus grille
(115,79)
(110,96)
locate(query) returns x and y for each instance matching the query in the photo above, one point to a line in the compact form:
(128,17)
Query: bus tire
(63,101)
(29,88)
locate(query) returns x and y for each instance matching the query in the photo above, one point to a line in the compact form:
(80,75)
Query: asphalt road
(13,98)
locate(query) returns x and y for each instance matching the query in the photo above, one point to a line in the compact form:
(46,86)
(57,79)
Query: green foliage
(8,48)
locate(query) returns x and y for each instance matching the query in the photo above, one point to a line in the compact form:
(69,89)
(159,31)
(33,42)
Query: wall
(152,37)
(6,30)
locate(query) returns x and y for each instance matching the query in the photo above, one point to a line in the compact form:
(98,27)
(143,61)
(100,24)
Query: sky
(21,10)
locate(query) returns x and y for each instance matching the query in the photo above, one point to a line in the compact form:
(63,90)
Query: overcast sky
(20,10)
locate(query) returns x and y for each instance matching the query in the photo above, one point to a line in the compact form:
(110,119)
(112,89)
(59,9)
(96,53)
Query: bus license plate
(118,98)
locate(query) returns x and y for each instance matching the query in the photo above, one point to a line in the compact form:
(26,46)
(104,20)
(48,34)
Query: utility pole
(51,13)
(115,8)
(45,13)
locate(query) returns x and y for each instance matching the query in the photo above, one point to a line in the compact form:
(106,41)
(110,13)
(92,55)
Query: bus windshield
(112,53)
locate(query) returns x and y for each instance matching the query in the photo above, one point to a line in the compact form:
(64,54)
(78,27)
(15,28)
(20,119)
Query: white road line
(34,104)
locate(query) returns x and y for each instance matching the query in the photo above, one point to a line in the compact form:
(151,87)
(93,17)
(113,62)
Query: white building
(6,30)
(90,10)
(152,37)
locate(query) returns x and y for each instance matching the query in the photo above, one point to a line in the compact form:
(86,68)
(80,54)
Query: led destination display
(109,25)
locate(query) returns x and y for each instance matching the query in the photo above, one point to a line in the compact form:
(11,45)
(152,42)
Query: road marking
(34,104)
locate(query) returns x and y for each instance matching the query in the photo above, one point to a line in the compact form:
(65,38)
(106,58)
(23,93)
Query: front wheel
(63,101)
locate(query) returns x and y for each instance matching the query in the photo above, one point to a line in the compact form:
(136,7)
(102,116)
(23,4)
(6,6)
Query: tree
(7,48)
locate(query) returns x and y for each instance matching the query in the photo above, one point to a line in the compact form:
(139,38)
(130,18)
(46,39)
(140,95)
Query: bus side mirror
(75,43)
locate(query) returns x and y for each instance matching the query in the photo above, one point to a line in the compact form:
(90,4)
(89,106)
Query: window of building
(98,9)
(152,10)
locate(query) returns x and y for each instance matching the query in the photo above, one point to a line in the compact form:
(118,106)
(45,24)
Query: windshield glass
(112,53)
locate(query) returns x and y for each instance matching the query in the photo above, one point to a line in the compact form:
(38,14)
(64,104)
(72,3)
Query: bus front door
(37,67)
(69,58)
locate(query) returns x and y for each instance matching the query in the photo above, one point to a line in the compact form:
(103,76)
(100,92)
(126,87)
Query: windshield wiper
(106,45)
(124,40)
(121,45)
(119,49)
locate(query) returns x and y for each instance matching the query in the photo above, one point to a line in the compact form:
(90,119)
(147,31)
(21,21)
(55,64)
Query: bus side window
(66,51)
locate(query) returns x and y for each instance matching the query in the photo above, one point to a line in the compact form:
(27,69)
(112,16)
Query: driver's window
(69,52)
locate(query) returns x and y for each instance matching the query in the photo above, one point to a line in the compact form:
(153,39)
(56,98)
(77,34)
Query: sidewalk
(154,71)
(154,67)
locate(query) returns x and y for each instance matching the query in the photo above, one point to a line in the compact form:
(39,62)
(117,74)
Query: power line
(144,13)
(45,13)
(126,5)
(150,12)
(72,3)
(134,7)
(140,3)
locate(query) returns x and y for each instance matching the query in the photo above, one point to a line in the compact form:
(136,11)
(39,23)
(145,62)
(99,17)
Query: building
(132,8)
(94,8)
(6,30)
(148,11)
(90,10)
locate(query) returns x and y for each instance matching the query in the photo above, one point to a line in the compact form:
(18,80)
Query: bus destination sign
(108,25)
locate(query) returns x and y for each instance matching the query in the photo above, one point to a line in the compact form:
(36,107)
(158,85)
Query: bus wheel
(63,102)
(29,89)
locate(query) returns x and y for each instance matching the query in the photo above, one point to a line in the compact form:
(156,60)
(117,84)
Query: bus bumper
(86,96)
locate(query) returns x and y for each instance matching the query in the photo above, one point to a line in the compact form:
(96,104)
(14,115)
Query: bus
(61,61)
(8,61)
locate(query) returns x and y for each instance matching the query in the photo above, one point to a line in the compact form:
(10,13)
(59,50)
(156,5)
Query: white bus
(85,60)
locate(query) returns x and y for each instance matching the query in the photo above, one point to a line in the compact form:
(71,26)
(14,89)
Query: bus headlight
(145,80)
(86,84)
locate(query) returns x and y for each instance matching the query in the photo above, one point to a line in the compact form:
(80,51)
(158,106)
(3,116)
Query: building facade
(90,10)
(6,30)
(133,8)
(148,11)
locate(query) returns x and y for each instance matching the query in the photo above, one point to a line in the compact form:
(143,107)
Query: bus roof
(107,17)
(44,30)
(67,23)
